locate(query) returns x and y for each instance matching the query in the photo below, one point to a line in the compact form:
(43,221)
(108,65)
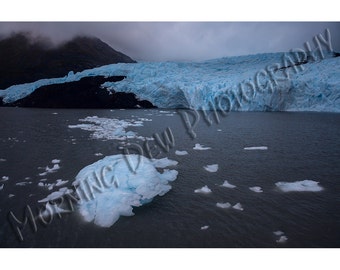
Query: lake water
(300,146)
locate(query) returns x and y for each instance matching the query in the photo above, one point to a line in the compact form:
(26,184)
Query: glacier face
(262,82)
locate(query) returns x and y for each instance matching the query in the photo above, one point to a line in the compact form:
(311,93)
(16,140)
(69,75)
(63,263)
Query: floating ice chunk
(43,174)
(163,162)
(200,147)
(55,113)
(219,130)
(53,169)
(282,239)
(227,184)
(204,189)
(305,185)
(5,178)
(211,168)
(238,206)
(109,128)
(223,205)
(10,195)
(2,160)
(181,153)
(256,148)
(98,154)
(55,161)
(117,189)
(204,227)
(278,233)
(23,183)
(256,189)
(2,186)
(41,184)
(61,182)
(56,195)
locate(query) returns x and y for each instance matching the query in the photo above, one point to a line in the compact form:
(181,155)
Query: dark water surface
(300,146)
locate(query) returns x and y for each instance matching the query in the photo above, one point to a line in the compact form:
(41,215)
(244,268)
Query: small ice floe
(256,148)
(278,233)
(55,161)
(204,227)
(200,147)
(10,195)
(27,178)
(223,205)
(204,190)
(181,153)
(55,113)
(163,162)
(282,239)
(144,119)
(305,185)
(60,182)
(2,186)
(219,130)
(227,184)
(164,112)
(238,206)
(211,168)
(53,169)
(98,154)
(23,183)
(4,178)
(2,160)
(56,195)
(256,189)
(43,180)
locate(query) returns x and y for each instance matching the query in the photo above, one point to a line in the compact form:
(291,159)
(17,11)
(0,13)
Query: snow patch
(301,186)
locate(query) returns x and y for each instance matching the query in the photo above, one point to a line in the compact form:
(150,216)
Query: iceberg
(204,190)
(181,153)
(256,148)
(238,206)
(211,168)
(200,147)
(305,185)
(223,205)
(261,82)
(227,184)
(256,189)
(112,186)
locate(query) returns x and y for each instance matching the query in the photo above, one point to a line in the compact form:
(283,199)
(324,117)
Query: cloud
(167,41)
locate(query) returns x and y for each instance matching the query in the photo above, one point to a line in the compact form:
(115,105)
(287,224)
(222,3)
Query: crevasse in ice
(262,82)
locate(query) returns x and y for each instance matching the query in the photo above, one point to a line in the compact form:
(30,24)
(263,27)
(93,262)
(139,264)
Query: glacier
(109,188)
(262,82)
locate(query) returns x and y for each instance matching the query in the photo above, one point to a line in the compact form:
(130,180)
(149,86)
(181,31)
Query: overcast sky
(185,41)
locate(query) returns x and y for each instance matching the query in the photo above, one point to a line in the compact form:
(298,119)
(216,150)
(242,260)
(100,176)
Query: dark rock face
(86,93)
(24,60)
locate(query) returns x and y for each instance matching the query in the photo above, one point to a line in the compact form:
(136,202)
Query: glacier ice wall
(262,82)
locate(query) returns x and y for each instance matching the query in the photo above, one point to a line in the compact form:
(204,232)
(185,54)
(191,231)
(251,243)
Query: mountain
(24,59)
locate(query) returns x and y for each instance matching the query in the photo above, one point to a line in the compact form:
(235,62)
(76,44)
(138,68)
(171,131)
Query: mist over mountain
(24,58)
